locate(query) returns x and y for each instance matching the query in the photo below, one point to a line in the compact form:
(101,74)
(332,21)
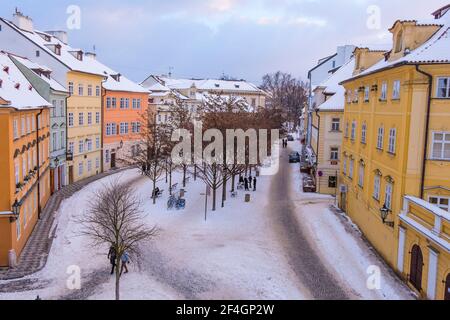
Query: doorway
(415,276)
(70,174)
(113,160)
(447,288)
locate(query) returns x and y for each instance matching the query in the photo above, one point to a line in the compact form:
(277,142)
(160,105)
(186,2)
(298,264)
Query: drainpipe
(66,112)
(102,124)
(318,144)
(427,127)
(38,165)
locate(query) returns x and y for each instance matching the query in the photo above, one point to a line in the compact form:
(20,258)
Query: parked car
(308,184)
(294,157)
(290,138)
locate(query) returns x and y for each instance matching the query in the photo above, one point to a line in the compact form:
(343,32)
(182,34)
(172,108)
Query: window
(38,53)
(127,103)
(353,134)
(392,140)
(122,103)
(89,165)
(349,96)
(364,133)
(71,147)
(54,138)
(80,146)
(80,118)
(22,126)
(399,42)
(361,175)
(332,182)
(18,227)
(109,129)
(71,88)
(107,156)
(441,202)
(16,128)
(253,102)
(89,145)
(16,172)
(350,169)
(28,125)
(97,163)
(334,154)
(90,90)
(380,138)
(138,106)
(33,124)
(97,91)
(97,142)
(396,90)
(80,90)
(388,199)
(62,139)
(62,108)
(108,103)
(443,88)
(80,168)
(70,119)
(134,103)
(113,103)
(346,129)
(335,124)
(123,127)
(97,117)
(344,166)
(356,96)
(441,146)
(383,96)
(366,93)
(89,118)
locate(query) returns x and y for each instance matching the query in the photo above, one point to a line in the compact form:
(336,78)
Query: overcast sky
(206,38)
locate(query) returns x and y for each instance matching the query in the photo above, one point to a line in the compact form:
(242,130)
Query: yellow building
(327,126)
(24,161)
(396,146)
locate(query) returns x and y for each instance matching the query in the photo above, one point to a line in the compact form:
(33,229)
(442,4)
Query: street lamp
(15,210)
(384,213)
(56,162)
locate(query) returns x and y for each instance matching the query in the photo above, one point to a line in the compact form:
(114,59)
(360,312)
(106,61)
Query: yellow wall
(84,104)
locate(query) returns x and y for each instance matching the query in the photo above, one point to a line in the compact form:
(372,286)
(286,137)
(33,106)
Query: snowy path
(283,245)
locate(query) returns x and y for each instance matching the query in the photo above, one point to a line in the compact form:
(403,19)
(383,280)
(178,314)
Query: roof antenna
(93,48)
(170,72)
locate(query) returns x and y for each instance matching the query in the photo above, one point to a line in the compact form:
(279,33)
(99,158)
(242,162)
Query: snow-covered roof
(16,89)
(55,85)
(332,86)
(210,84)
(88,64)
(435,50)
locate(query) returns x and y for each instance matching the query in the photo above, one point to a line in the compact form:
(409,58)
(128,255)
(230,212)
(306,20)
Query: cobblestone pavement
(34,256)
(304,261)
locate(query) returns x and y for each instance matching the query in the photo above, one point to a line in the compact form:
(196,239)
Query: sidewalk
(34,255)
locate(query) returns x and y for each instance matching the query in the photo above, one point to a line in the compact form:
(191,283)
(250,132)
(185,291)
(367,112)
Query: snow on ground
(340,244)
(233,255)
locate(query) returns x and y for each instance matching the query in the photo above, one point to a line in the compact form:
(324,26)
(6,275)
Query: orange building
(24,159)
(124,102)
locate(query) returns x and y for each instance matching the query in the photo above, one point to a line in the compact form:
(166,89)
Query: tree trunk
(214,199)
(195,172)
(224,188)
(153,193)
(233,178)
(170,179)
(118,278)
(184,175)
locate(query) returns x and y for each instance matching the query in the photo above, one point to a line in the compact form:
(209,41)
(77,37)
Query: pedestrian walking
(254,184)
(125,260)
(241,179)
(112,255)
(246,184)
(250,180)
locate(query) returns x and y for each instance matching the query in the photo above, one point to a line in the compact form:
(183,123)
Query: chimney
(60,35)
(23,22)
(91,55)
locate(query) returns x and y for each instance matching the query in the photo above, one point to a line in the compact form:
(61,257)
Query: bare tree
(286,93)
(115,219)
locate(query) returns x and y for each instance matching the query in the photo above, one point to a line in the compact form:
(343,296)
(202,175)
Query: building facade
(24,164)
(395,147)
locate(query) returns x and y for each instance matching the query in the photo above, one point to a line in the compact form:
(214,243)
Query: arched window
(399,41)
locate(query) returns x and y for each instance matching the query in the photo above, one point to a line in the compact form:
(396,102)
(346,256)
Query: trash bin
(181,193)
(247,197)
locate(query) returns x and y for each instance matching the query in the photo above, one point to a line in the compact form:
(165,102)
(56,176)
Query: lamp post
(384,211)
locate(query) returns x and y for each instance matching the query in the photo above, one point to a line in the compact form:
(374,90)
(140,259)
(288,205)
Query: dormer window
(17,86)
(237,86)
(30,87)
(399,42)
(78,54)
(6,69)
(217,85)
(57,50)
(116,77)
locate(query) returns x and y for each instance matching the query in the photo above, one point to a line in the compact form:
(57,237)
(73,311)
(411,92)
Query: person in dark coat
(112,255)
(254,184)
(250,180)
(241,179)
(246,184)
